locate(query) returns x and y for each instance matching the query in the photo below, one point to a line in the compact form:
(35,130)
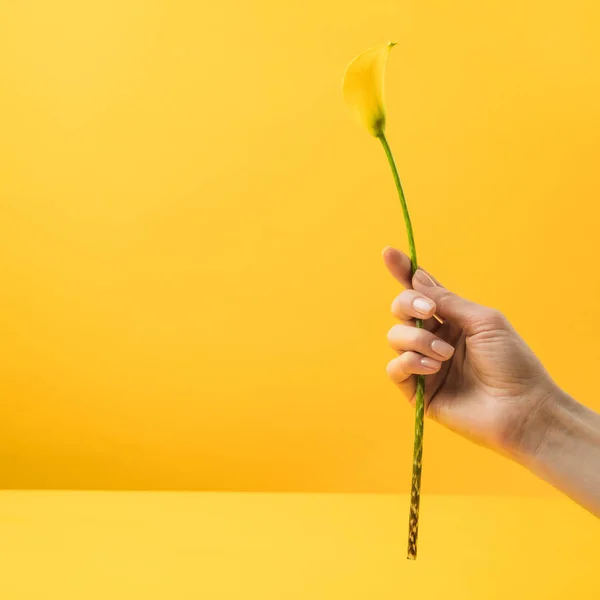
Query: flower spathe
(363,87)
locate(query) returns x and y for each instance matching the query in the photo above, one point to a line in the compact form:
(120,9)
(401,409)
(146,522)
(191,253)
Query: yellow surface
(191,225)
(218,546)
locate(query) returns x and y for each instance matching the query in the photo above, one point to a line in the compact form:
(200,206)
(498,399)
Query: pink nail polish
(442,348)
(423,306)
(430,363)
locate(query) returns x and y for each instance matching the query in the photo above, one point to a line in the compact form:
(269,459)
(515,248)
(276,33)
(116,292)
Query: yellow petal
(363,87)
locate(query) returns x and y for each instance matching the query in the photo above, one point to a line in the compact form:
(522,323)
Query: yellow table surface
(182,545)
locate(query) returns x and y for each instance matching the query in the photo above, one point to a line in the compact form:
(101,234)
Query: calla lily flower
(363,87)
(363,92)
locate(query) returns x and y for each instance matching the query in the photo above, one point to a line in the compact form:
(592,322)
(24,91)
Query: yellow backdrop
(191,226)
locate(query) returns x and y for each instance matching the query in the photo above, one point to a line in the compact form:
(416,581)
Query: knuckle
(422,336)
(406,337)
(447,295)
(420,340)
(392,368)
(401,303)
(408,359)
(495,318)
(445,298)
(487,320)
(393,333)
(389,369)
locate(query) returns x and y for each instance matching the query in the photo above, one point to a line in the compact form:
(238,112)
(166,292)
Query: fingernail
(423,305)
(424,279)
(442,348)
(430,363)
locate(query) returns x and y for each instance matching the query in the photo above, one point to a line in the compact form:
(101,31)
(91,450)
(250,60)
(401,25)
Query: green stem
(415,492)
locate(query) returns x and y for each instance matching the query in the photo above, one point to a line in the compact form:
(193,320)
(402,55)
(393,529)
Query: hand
(482,380)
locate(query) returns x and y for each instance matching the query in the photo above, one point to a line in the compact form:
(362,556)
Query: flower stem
(415,492)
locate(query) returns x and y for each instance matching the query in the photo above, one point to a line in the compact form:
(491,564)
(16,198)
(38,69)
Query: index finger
(399,266)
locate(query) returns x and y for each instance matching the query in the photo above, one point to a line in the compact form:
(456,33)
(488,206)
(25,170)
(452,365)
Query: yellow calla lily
(363,87)
(363,91)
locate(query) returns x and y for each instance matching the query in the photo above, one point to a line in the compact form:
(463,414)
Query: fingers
(412,305)
(402,367)
(404,338)
(468,315)
(399,266)
(461,313)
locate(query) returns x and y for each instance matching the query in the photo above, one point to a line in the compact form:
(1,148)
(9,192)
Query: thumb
(449,306)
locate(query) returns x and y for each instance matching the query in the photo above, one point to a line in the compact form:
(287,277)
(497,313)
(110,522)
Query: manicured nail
(430,363)
(424,279)
(423,305)
(442,348)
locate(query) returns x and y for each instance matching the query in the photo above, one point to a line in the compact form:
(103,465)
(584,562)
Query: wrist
(561,444)
(554,424)
(547,420)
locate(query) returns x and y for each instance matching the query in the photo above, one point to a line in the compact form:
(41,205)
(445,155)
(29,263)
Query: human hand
(482,380)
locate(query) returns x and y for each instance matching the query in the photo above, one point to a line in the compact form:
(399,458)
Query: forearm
(561,444)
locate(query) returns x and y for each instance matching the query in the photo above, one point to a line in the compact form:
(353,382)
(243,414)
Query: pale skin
(485,383)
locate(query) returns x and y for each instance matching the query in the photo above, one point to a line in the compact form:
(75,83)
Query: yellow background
(191,226)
